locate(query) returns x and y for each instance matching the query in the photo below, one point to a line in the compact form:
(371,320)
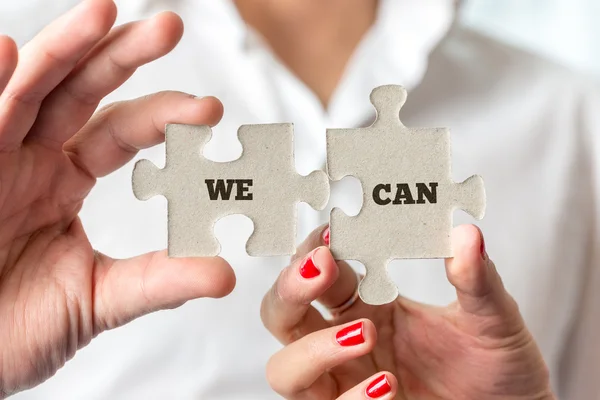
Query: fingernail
(326,236)
(482,248)
(351,335)
(379,387)
(308,269)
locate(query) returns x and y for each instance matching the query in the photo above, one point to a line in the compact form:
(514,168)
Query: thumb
(127,289)
(479,288)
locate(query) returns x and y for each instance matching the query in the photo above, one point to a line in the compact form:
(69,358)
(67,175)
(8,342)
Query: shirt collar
(416,25)
(395,51)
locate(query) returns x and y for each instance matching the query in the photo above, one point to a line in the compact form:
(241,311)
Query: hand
(56,293)
(476,348)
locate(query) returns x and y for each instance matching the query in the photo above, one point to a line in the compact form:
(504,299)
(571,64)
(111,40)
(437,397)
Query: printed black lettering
(243,185)
(403,193)
(219,189)
(424,191)
(377,194)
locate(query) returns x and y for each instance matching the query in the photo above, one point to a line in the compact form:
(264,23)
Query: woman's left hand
(476,348)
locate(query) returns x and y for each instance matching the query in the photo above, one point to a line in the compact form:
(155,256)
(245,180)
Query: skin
(315,39)
(476,348)
(56,292)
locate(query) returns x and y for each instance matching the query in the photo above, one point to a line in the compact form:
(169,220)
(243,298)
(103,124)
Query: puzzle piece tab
(408,193)
(262,184)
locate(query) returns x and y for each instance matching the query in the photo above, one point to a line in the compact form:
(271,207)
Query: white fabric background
(567,31)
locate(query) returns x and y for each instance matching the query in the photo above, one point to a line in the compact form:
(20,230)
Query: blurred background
(567,31)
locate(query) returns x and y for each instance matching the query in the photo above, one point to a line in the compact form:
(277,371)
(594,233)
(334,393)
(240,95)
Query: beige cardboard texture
(408,194)
(262,184)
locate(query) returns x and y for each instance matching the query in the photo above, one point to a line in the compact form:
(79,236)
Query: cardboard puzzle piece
(408,194)
(262,184)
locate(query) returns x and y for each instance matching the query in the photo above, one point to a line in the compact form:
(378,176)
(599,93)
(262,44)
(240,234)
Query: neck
(314,38)
(301,13)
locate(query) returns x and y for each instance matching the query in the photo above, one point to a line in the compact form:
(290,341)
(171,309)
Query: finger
(479,288)
(8,60)
(104,69)
(345,285)
(117,132)
(127,289)
(286,309)
(314,239)
(381,386)
(46,61)
(297,367)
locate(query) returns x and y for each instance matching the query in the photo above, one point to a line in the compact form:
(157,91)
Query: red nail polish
(351,335)
(482,248)
(308,269)
(379,387)
(326,236)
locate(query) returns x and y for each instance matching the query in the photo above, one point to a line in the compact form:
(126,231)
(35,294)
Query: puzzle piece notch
(199,192)
(314,186)
(408,193)
(285,188)
(284,232)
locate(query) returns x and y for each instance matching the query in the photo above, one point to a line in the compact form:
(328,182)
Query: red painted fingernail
(482,248)
(326,236)
(379,387)
(308,269)
(351,335)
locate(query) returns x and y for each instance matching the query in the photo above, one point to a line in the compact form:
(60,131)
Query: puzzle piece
(262,184)
(408,193)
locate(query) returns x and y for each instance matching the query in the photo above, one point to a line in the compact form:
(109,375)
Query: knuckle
(54,57)
(287,290)
(283,293)
(80,96)
(24,96)
(107,117)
